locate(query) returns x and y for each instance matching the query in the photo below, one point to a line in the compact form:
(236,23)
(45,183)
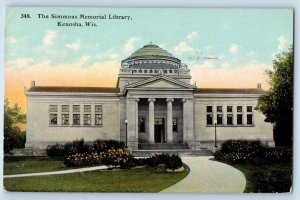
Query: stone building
(152,104)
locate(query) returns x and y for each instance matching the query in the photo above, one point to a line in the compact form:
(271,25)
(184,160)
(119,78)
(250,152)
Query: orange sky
(105,75)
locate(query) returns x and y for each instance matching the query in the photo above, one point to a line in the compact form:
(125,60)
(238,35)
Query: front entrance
(159,130)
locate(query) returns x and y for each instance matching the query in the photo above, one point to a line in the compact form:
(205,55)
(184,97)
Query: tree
(13,137)
(277,103)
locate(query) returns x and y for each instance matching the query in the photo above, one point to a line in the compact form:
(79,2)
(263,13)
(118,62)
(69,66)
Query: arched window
(145,71)
(151,71)
(165,71)
(140,71)
(170,71)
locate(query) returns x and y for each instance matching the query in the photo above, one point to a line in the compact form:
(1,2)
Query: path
(57,172)
(209,176)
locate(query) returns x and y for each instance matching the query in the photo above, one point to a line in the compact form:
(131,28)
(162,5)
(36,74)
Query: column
(132,121)
(151,119)
(184,119)
(190,120)
(169,120)
(137,117)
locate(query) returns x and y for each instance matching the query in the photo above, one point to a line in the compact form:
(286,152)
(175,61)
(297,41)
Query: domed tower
(149,61)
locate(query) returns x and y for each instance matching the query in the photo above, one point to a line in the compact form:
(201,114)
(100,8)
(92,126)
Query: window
(87,119)
(53,108)
(170,71)
(229,119)
(53,115)
(87,108)
(151,71)
(249,108)
(142,125)
(209,119)
(175,124)
(53,119)
(208,108)
(219,109)
(65,119)
(65,108)
(140,71)
(98,119)
(249,119)
(239,108)
(76,119)
(219,118)
(209,115)
(98,108)
(145,71)
(76,108)
(229,108)
(239,119)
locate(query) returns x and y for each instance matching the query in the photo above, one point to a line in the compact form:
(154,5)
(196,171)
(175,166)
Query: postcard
(148,100)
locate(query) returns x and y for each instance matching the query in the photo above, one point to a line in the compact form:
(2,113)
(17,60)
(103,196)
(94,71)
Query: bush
(56,150)
(170,161)
(243,151)
(14,138)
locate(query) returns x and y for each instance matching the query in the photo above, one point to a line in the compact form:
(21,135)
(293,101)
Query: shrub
(117,157)
(170,161)
(14,138)
(56,150)
(243,151)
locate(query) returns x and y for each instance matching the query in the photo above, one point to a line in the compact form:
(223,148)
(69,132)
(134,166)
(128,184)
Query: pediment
(161,82)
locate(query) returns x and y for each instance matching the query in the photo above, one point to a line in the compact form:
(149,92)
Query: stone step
(162,146)
(179,152)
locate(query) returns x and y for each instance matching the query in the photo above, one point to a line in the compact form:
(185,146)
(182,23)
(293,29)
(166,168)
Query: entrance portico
(160,114)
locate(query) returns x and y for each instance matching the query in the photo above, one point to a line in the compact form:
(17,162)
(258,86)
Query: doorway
(159,130)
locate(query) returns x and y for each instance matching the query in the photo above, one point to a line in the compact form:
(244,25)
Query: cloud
(191,35)
(75,45)
(183,47)
(13,40)
(83,60)
(130,43)
(282,41)
(48,38)
(233,49)
(210,74)
(19,63)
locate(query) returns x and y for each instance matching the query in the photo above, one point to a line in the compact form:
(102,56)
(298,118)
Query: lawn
(131,180)
(32,165)
(267,178)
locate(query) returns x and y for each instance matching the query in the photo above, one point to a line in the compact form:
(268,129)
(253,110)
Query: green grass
(131,180)
(267,178)
(33,165)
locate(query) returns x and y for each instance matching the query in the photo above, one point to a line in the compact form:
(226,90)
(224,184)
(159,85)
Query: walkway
(209,176)
(57,172)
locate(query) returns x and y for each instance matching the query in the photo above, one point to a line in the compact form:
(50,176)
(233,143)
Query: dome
(151,57)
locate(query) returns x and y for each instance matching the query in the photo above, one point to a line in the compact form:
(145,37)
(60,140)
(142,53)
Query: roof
(229,91)
(151,50)
(73,89)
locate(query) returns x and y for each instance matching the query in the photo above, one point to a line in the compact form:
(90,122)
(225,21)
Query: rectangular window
(65,108)
(219,119)
(76,108)
(53,119)
(53,108)
(98,108)
(98,119)
(65,119)
(142,125)
(249,119)
(219,109)
(249,108)
(76,119)
(175,124)
(87,108)
(229,108)
(229,119)
(209,119)
(239,119)
(87,119)
(239,108)
(208,108)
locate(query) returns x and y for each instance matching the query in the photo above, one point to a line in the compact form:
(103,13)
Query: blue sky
(217,44)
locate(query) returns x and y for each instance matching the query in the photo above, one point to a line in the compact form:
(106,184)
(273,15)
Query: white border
(159,3)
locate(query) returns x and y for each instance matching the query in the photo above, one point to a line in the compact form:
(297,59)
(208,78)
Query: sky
(222,47)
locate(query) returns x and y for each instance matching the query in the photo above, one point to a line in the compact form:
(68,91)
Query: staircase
(162,146)
(146,150)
